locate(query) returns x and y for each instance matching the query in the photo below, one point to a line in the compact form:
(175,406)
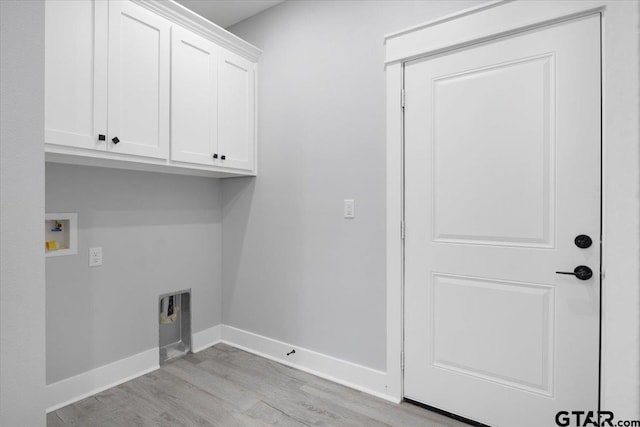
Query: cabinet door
(76,73)
(138,81)
(236,105)
(194,96)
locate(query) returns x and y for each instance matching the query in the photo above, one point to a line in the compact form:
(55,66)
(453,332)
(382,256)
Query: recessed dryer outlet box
(175,325)
(60,234)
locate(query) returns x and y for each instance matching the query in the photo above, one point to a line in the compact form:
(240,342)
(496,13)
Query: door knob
(115,140)
(223,157)
(102,137)
(215,156)
(583,241)
(582,272)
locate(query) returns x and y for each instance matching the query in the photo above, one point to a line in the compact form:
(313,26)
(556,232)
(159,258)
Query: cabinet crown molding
(190,20)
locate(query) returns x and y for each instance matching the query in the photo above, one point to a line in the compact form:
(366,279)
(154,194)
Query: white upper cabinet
(212,104)
(127,86)
(76,73)
(138,81)
(236,131)
(194,98)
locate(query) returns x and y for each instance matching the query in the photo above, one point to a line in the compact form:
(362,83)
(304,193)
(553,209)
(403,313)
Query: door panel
(477,308)
(502,172)
(138,81)
(236,108)
(194,80)
(76,73)
(517,211)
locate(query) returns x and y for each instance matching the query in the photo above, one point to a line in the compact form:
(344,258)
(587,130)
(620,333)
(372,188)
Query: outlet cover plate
(349,208)
(95,257)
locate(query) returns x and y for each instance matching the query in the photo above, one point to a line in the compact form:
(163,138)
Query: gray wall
(22,282)
(294,269)
(159,233)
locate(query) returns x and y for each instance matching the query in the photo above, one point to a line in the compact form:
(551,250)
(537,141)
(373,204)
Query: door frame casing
(620,351)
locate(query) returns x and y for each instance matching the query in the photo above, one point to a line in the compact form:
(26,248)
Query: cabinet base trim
(55,154)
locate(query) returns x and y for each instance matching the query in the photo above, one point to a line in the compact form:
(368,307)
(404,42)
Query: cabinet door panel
(138,81)
(193,98)
(76,73)
(236,130)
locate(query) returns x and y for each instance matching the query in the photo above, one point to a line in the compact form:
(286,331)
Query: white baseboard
(205,339)
(349,374)
(73,389)
(70,390)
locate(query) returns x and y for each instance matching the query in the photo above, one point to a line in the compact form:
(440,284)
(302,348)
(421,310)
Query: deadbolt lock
(583,241)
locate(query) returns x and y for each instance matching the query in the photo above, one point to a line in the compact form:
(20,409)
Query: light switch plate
(349,208)
(95,257)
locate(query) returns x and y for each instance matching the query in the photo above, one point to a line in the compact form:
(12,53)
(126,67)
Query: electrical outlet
(95,257)
(349,208)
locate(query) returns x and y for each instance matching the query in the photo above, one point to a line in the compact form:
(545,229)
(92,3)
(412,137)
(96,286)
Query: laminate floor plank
(316,412)
(53,420)
(272,416)
(242,358)
(232,393)
(265,383)
(286,394)
(223,386)
(174,399)
(246,360)
(386,412)
(191,404)
(86,411)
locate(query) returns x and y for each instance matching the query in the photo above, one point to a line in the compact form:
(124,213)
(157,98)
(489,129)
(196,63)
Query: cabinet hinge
(402,360)
(402,98)
(402,230)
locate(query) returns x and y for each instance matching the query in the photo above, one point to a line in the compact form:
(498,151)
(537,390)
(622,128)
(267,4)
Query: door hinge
(402,98)
(402,230)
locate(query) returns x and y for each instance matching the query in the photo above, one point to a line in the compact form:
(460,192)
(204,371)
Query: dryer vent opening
(174,325)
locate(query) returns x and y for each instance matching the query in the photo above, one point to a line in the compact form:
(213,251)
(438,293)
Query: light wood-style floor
(224,386)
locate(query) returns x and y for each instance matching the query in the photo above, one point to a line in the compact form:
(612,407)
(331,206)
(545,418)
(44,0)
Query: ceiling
(228,12)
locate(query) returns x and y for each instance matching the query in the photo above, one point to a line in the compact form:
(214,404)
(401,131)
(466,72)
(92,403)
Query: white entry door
(502,174)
